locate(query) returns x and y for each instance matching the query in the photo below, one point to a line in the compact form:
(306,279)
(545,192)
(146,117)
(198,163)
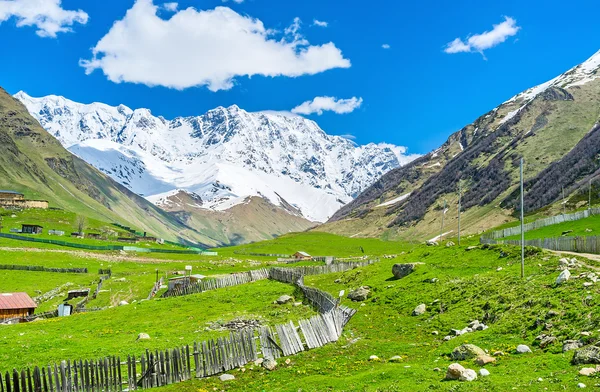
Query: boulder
(523,349)
(570,345)
(454,371)
(587,372)
(449,244)
(581,385)
(373,358)
(143,336)
(432,243)
(419,310)
(396,358)
(586,355)
(563,277)
(269,364)
(484,372)
(402,270)
(547,340)
(472,247)
(360,294)
(123,303)
(226,377)
(466,351)
(483,360)
(284,299)
(468,375)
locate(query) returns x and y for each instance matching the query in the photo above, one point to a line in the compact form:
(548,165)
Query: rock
(498,354)
(435,333)
(466,351)
(432,243)
(563,277)
(481,327)
(581,385)
(588,230)
(499,269)
(296,304)
(449,244)
(523,349)
(259,361)
(587,371)
(447,338)
(396,358)
(337,281)
(373,358)
(288,361)
(473,324)
(570,345)
(454,372)
(564,233)
(472,248)
(586,355)
(588,284)
(402,270)
(360,294)
(123,303)
(269,364)
(284,299)
(484,372)
(483,360)
(547,340)
(419,310)
(434,280)
(551,313)
(143,336)
(226,377)
(437,369)
(585,333)
(468,375)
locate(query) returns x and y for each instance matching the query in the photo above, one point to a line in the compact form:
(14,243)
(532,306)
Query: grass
(578,228)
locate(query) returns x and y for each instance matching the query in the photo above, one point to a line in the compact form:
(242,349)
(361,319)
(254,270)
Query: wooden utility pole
(443,214)
(522,227)
(459,200)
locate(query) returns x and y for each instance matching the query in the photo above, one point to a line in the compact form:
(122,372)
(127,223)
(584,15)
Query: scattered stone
(447,338)
(284,299)
(472,248)
(419,310)
(547,340)
(523,349)
(585,333)
(498,354)
(468,375)
(581,385)
(587,372)
(360,294)
(226,377)
(483,360)
(123,303)
(484,372)
(402,270)
(396,358)
(499,269)
(373,358)
(466,351)
(586,355)
(588,284)
(551,313)
(454,371)
(435,333)
(143,336)
(437,369)
(563,277)
(570,345)
(588,230)
(433,280)
(296,304)
(564,233)
(449,244)
(259,361)
(269,364)
(432,243)
(337,281)
(288,361)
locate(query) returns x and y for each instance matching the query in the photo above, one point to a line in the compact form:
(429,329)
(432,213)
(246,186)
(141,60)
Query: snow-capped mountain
(222,156)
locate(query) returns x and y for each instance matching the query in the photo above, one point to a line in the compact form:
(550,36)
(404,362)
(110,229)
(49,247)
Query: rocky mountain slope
(223,156)
(35,163)
(552,126)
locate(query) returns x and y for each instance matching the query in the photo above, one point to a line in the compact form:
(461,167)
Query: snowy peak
(222,156)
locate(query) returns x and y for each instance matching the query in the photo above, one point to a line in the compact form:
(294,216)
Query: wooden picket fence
(155,288)
(589,244)
(553,220)
(218,283)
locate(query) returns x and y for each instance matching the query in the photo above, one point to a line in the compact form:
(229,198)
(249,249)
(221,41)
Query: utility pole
(564,203)
(443,214)
(459,200)
(590,194)
(522,227)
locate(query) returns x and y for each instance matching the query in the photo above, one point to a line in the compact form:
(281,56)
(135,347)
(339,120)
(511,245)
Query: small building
(94,236)
(302,256)
(12,199)
(130,240)
(11,195)
(31,229)
(182,281)
(16,305)
(77,293)
(56,232)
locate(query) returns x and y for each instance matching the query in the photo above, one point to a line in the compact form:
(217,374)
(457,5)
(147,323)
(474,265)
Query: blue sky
(412,94)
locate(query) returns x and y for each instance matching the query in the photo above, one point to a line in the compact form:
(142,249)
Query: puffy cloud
(485,40)
(320,23)
(204,48)
(47,16)
(171,6)
(235,1)
(321,104)
(386,46)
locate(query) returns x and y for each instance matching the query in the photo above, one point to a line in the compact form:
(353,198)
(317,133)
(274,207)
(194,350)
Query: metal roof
(303,254)
(16,301)
(11,192)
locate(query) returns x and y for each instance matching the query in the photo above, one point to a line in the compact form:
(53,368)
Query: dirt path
(90,255)
(588,256)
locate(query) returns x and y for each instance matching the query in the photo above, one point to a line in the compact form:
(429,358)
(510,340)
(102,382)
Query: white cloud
(385,46)
(171,6)
(349,136)
(46,15)
(320,23)
(204,48)
(321,104)
(235,1)
(486,40)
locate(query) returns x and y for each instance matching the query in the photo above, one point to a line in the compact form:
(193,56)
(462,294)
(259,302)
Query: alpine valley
(235,176)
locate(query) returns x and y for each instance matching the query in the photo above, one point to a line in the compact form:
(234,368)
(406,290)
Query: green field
(583,227)
(469,287)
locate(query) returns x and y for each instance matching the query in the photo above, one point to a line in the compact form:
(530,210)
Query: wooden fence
(155,288)
(218,283)
(99,287)
(589,244)
(553,220)
(38,268)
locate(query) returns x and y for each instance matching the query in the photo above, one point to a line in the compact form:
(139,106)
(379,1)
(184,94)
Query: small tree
(81,222)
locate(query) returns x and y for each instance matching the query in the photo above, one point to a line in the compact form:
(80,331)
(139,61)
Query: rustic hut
(16,305)
(302,256)
(31,229)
